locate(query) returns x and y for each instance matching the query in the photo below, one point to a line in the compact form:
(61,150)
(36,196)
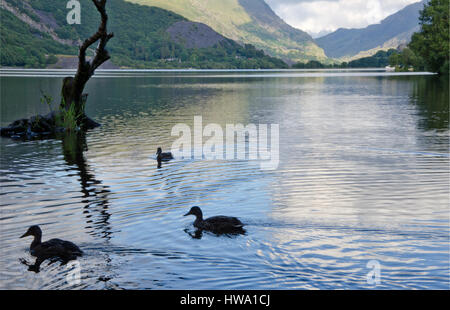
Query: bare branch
(85,68)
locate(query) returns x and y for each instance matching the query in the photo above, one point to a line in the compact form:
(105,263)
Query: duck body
(160,156)
(217,224)
(65,250)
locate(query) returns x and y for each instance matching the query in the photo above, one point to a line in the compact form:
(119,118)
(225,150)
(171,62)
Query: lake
(359,199)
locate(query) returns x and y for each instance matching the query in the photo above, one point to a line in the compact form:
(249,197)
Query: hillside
(22,45)
(391,32)
(246,21)
(145,37)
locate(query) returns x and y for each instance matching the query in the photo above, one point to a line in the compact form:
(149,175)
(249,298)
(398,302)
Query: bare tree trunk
(72,89)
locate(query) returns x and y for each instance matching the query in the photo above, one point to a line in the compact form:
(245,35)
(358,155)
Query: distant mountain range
(186,34)
(247,21)
(391,32)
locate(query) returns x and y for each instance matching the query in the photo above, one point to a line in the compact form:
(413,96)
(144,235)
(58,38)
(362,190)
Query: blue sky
(318,17)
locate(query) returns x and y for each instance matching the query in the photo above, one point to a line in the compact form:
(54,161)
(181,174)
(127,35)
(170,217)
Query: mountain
(246,21)
(22,44)
(391,32)
(35,33)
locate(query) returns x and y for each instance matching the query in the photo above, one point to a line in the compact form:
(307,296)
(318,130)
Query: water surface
(363,175)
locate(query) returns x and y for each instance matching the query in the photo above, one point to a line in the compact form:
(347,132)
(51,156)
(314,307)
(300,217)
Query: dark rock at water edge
(41,127)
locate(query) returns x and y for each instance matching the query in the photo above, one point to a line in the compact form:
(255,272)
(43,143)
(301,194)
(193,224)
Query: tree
(432,41)
(72,89)
(406,60)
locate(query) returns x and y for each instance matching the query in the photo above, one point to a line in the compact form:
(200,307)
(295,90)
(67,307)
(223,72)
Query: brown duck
(218,224)
(65,250)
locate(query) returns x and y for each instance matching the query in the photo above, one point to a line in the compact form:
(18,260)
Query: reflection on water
(363,176)
(95,195)
(431,98)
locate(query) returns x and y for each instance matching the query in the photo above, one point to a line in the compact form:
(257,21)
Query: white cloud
(322,16)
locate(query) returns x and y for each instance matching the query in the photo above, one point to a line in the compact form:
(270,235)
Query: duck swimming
(217,224)
(160,156)
(62,249)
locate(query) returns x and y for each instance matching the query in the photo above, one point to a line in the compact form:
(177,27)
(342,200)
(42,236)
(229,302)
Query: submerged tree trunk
(73,87)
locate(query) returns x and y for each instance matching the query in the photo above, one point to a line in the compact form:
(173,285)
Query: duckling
(65,250)
(216,224)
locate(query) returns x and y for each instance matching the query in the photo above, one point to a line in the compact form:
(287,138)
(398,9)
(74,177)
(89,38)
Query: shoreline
(25,72)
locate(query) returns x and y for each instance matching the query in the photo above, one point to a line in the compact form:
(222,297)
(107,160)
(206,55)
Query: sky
(319,17)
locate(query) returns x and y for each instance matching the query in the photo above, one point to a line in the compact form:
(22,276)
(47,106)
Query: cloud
(323,16)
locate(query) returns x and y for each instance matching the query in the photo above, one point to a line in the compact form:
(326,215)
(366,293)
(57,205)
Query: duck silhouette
(53,248)
(217,224)
(160,156)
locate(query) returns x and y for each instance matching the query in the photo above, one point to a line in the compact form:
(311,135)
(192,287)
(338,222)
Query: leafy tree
(312,64)
(52,59)
(432,41)
(406,60)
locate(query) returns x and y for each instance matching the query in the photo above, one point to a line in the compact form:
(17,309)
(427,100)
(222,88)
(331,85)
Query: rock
(89,123)
(194,35)
(40,127)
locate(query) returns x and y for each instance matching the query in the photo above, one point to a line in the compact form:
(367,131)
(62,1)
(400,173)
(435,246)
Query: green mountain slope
(247,21)
(394,30)
(22,45)
(145,37)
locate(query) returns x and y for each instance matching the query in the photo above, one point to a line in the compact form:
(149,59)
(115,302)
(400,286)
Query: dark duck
(217,224)
(53,248)
(160,156)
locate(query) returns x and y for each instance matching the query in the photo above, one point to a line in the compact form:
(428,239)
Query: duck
(216,224)
(65,250)
(166,156)
(160,156)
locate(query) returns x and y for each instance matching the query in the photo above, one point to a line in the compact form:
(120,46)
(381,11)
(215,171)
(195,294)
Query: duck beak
(189,213)
(24,235)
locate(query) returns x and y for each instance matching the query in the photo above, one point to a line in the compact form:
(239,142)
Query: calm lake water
(363,175)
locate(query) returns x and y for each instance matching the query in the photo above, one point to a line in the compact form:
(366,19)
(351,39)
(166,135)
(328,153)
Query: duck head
(195,211)
(158,151)
(34,231)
